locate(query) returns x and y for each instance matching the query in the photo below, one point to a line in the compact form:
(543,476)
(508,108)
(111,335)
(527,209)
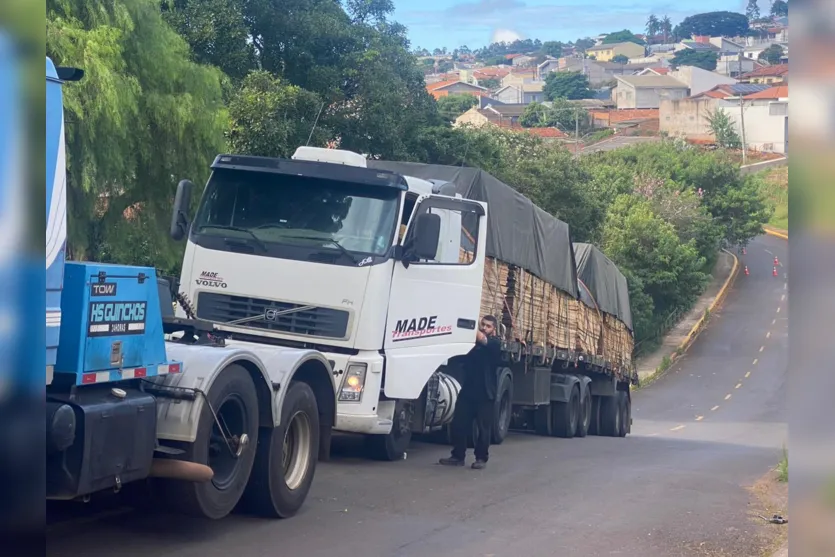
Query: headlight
(353,383)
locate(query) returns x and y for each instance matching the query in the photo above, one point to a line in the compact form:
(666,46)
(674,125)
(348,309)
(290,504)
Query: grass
(776,189)
(783,467)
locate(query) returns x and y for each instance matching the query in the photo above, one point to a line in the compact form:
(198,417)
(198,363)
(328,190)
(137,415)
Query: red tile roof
(777,92)
(661,70)
(776,70)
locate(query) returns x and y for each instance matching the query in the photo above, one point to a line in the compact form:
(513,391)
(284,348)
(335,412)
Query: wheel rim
(295,453)
(586,413)
(574,409)
(224,463)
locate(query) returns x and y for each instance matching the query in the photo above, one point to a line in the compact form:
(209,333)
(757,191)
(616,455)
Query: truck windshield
(272,209)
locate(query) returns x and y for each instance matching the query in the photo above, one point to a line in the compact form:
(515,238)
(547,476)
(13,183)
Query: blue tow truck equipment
(134,393)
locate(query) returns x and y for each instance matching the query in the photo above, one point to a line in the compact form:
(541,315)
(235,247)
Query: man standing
(477,398)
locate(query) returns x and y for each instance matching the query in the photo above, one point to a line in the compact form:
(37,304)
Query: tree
(752,11)
(723,130)
(584,43)
(621,37)
(700,59)
(653,26)
(780,8)
(561,114)
(714,24)
(552,49)
(490,83)
(144,116)
(567,85)
(772,54)
(270,118)
(453,106)
(620,59)
(666,28)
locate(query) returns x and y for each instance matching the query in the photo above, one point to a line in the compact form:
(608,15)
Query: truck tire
(610,415)
(286,459)
(624,407)
(393,445)
(235,401)
(566,415)
(594,424)
(584,423)
(504,409)
(542,421)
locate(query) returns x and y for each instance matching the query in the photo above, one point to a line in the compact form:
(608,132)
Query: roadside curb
(784,234)
(697,328)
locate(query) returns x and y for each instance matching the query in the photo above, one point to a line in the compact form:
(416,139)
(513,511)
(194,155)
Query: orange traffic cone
(743,251)
(775,272)
(746,270)
(776,261)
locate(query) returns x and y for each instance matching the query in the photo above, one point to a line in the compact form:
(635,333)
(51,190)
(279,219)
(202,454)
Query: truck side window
(459,235)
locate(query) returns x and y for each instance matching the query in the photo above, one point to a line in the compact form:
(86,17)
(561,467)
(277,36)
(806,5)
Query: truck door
(434,304)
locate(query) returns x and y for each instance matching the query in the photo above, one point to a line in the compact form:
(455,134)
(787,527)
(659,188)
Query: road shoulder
(681,336)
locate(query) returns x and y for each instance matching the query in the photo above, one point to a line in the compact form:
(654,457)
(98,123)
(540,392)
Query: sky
(475,23)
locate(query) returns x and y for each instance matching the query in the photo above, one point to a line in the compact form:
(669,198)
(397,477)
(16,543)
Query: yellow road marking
(728,396)
(738,385)
(677,428)
(715,408)
(747,375)
(699,418)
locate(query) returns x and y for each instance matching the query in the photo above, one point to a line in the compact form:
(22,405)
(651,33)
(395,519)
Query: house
(766,115)
(605,52)
(767,74)
(726,46)
(498,73)
(524,93)
(518,77)
(688,118)
(699,80)
(657,70)
(700,44)
(457,87)
(523,61)
(752,52)
(734,65)
(725,91)
(507,117)
(646,91)
(546,67)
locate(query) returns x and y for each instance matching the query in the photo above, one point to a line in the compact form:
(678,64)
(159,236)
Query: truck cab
(380,272)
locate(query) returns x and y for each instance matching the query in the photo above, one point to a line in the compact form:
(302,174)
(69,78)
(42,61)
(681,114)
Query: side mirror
(179,214)
(427,235)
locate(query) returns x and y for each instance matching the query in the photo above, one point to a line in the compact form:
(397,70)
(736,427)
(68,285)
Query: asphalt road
(676,486)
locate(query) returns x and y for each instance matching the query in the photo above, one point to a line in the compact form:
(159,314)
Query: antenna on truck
(316,121)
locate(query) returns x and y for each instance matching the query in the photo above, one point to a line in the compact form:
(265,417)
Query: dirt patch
(769,497)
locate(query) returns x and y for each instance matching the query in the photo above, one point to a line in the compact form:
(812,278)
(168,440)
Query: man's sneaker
(451,461)
(479,465)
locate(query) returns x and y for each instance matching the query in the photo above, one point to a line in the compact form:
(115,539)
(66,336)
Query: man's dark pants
(468,408)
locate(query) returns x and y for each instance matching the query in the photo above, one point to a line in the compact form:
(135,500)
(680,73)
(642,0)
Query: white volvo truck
(322,252)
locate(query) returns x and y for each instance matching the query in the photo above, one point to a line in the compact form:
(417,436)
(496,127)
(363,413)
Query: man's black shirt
(480,368)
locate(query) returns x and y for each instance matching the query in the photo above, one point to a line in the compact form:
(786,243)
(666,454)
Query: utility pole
(742,125)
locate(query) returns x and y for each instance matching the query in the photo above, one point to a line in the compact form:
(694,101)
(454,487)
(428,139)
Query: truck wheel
(392,446)
(624,409)
(286,459)
(584,423)
(610,415)
(235,402)
(543,424)
(504,402)
(566,415)
(594,424)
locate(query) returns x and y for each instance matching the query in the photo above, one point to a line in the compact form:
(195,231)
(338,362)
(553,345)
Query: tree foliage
(772,54)
(724,130)
(453,106)
(144,116)
(620,59)
(713,24)
(780,8)
(622,36)
(567,85)
(552,49)
(701,59)
(560,114)
(752,11)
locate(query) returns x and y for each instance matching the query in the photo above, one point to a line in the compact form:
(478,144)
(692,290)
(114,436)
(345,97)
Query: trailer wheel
(286,459)
(566,415)
(594,424)
(504,410)
(624,410)
(610,415)
(392,446)
(235,401)
(584,423)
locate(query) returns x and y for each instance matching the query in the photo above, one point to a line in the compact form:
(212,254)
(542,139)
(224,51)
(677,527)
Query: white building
(699,80)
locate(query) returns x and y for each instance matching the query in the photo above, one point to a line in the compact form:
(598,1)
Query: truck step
(168,450)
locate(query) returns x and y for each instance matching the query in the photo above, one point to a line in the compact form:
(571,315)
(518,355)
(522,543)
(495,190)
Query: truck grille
(315,321)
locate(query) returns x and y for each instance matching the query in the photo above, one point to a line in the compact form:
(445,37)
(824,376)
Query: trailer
(385,268)
(136,396)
